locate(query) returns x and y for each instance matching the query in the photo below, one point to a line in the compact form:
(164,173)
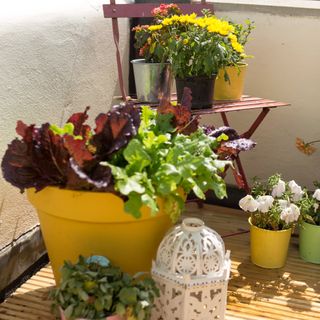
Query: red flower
(166,9)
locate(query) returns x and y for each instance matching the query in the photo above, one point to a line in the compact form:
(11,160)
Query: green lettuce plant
(141,154)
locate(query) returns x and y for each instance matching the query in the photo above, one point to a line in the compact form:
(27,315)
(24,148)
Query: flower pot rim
(197,77)
(240,65)
(267,230)
(143,61)
(112,317)
(74,191)
(310,224)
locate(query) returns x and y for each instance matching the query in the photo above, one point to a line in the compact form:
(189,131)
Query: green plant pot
(309,242)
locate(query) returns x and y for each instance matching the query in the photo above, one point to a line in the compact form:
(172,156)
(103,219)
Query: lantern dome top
(192,252)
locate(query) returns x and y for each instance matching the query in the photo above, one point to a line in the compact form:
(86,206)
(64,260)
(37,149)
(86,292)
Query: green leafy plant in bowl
(93,288)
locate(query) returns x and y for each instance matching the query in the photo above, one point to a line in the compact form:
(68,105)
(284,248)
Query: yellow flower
(217,26)
(155,28)
(200,23)
(232,37)
(185,41)
(167,22)
(237,46)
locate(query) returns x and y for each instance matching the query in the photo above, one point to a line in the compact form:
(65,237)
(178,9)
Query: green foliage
(94,291)
(159,162)
(260,188)
(194,51)
(242,32)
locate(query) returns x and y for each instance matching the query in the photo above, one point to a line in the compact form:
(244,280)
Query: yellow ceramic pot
(269,248)
(95,223)
(233,90)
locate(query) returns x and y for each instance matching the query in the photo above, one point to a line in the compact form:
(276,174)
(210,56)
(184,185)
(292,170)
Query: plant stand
(139,10)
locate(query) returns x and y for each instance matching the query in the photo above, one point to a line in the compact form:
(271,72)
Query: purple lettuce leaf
(241,144)
(182,119)
(233,145)
(98,179)
(43,158)
(25,131)
(78,149)
(213,132)
(114,130)
(78,119)
(38,160)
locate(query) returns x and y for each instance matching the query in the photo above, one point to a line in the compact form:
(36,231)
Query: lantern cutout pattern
(192,271)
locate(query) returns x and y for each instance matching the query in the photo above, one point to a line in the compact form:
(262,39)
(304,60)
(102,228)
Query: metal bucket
(153,80)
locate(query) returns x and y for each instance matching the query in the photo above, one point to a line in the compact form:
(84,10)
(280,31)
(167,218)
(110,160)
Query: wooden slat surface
(246,103)
(253,293)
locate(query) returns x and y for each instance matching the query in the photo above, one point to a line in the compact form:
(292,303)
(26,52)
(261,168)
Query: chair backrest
(139,10)
(143,10)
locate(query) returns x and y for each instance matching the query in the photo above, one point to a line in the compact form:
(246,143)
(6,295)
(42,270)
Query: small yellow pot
(95,223)
(233,90)
(269,248)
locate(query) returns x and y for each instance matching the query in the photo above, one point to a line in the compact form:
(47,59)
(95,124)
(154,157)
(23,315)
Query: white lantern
(192,271)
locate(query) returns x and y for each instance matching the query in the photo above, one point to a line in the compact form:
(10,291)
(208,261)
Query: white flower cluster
(290,212)
(316,196)
(262,203)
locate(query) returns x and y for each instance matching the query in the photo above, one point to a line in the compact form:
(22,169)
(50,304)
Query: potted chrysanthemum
(274,209)
(198,48)
(152,71)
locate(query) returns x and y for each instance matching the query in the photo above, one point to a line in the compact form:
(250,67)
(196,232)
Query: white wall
(56,57)
(286,67)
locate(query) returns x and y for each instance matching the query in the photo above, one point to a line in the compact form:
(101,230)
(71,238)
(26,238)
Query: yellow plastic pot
(269,248)
(95,223)
(233,90)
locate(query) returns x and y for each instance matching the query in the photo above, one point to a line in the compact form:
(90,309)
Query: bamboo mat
(254,293)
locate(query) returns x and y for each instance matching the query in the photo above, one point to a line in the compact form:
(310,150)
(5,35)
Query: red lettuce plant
(69,157)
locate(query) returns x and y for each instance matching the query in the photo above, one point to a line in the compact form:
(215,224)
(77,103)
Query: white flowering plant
(279,205)
(310,206)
